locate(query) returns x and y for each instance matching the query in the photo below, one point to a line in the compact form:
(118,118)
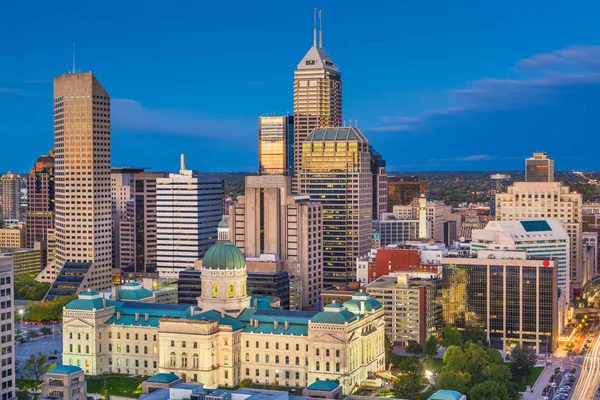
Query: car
(589,340)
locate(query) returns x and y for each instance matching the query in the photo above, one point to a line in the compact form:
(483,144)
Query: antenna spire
(315,27)
(73,58)
(320,29)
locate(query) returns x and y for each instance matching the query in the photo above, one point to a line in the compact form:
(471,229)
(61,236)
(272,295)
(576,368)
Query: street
(589,380)
(50,345)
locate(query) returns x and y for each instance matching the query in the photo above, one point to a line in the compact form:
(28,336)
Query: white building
(7,334)
(189,207)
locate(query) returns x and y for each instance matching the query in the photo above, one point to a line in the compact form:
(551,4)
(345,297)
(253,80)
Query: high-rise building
(40,202)
(395,229)
(276,145)
(402,190)
(546,200)
(7,346)
(10,186)
(133,192)
(189,207)
(317,96)
(336,170)
(539,168)
(269,220)
(82,176)
(379,184)
(25,261)
(189,286)
(512,296)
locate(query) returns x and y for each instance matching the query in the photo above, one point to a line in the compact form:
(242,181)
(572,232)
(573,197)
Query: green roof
(327,386)
(163,378)
(446,395)
(361,294)
(134,291)
(88,303)
(64,369)
(334,317)
(223,224)
(536,226)
(223,255)
(334,305)
(227,320)
(297,321)
(372,305)
(352,305)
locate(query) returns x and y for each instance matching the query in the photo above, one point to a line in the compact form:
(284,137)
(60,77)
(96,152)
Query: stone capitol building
(228,337)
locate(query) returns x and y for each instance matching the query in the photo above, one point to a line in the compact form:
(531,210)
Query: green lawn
(118,385)
(532,377)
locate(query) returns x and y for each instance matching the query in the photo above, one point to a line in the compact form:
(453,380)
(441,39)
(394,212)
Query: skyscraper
(82,176)
(133,192)
(317,96)
(379,184)
(336,170)
(402,190)
(189,207)
(10,184)
(7,345)
(539,168)
(275,140)
(40,208)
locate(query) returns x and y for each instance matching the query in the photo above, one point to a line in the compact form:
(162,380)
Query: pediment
(327,338)
(77,323)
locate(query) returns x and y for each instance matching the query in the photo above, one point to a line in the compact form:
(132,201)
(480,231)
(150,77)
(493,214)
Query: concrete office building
(546,200)
(512,296)
(40,203)
(15,236)
(336,171)
(436,212)
(276,145)
(394,229)
(133,193)
(539,168)
(541,238)
(379,184)
(10,188)
(7,342)
(82,176)
(189,207)
(402,190)
(317,97)
(25,261)
(412,305)
(269,220)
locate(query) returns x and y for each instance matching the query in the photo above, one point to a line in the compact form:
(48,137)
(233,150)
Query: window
(226,374)
(87,336)
(276,346)
(287,346)
(267,358)
(327,353)
(287,374)
(337,367)
(267,345)
(297,347)
(247,357)
(257,372)
(226,359)
(127,349)
(256,358)
(257,345)
(87,349)
(337,353)
(145,337)
(183,344)
(247,343)
(137,349)
(327,366)
(172,343)
(225,342)
(136,336)
(195,361)
(127,336)
(318,366)
(79,348)
(70,348)
(184,360)
(266,373)
(276,359)
(287,359)
(145,349)
(297,360)
(317,352)
(172,359)
(195,345)
(247,371)
(297,375)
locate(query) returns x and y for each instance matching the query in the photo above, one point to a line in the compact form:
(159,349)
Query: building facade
(40,202)
(64,382)
(546,200)
(227,337)
(379,184)
(25,261)
(82,176)
(275,140)
(15,236)
(10,185)
(539,168)
(412,304)
(188,208)
(269,220)
(336,171)
(512,296)
(317,97)
(189,286)
(392,228)
(7,317)
(402,190)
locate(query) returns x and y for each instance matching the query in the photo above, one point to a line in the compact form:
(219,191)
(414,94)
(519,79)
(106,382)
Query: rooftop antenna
(315,27)
(182,159)
(320,29)
(350,123)
(73,58)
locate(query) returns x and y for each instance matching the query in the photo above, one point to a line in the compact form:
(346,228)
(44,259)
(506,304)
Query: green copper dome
(223,255)
(223,224)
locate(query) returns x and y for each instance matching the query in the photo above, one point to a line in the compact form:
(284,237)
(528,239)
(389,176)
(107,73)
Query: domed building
(228,336)
(224,276)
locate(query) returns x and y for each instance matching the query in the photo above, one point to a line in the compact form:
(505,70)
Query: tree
(104,392)
(390,357)
(23,394)
(453,380)
(489,390)
(35,366)
(522,361)
(414,348)
(245,383)
(47,310)
(475,334)
(411,365)
(45,330)
(27,288)
(451,337)
(430,348)
(407,385)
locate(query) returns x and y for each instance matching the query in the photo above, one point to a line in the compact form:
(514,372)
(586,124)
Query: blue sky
(435,85)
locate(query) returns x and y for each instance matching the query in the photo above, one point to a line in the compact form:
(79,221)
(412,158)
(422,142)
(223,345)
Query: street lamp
(21,313)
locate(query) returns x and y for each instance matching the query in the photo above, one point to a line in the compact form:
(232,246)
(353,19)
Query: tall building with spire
(82,176)
(317,96)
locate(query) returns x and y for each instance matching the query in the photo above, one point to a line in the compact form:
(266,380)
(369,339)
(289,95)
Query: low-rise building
(412,304)
(64,382)
(14,237)
(26,261)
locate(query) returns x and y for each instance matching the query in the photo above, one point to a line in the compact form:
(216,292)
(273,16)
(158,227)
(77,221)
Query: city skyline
(440,83)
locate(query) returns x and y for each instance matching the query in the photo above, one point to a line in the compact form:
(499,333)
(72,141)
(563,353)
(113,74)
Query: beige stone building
(227,337)
(269,220)
(14,237)
(82,176)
